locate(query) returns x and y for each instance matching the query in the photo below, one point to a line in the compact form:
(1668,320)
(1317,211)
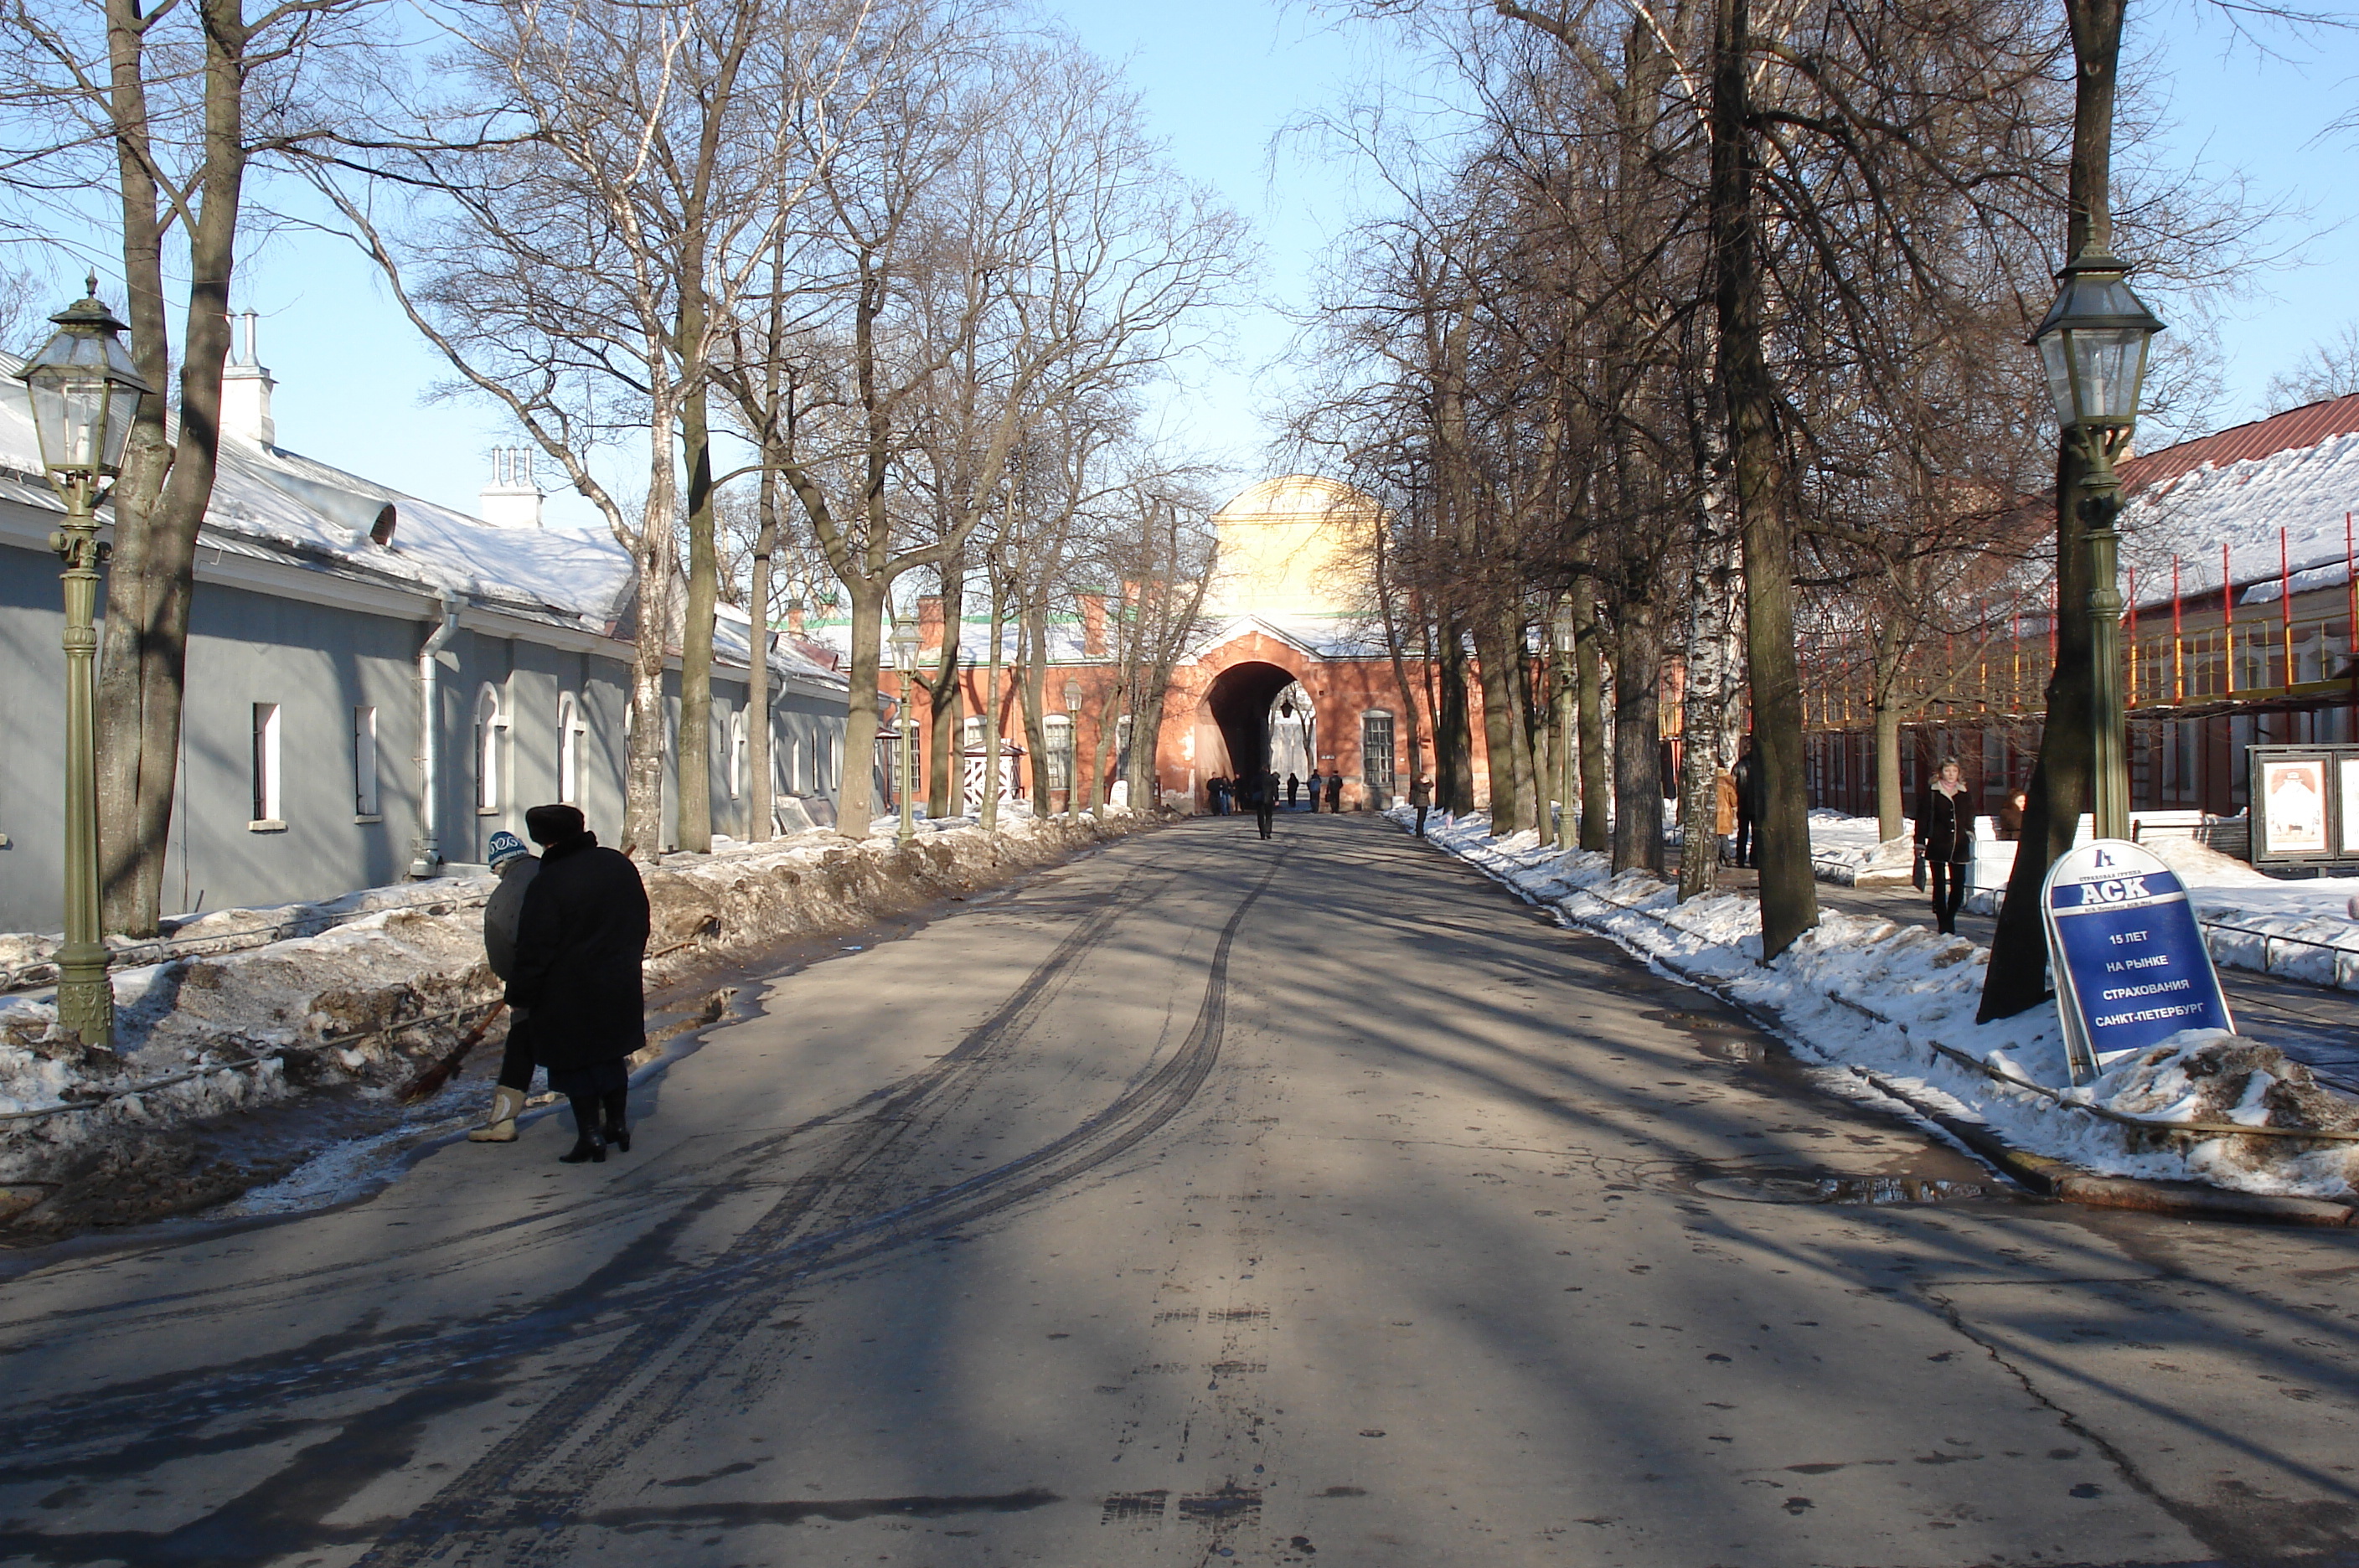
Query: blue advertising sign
(2130,964)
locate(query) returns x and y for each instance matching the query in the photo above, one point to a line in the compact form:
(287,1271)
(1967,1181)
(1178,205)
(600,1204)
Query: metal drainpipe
(428,859)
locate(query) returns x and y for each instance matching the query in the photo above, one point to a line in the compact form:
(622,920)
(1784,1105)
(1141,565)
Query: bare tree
(168,110)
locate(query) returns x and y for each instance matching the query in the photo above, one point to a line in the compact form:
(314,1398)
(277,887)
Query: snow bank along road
(1202,1201)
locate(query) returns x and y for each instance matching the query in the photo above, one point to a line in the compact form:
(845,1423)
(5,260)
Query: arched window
(1379,765)
(569,748)
(737,753)
(490,722)
(1060,736)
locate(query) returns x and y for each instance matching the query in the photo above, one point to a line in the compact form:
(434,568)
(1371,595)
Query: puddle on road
(1805,1188)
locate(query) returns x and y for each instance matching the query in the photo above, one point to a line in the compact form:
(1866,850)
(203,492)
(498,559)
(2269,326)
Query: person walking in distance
(1293,789)
(1334,790)
(579,944)
(1264,800)
(1420,795)
(1945,840)
(514,867)
(1315,783)
(1749,791)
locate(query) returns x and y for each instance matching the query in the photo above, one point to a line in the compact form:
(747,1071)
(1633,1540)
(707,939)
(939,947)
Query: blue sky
(1221,80)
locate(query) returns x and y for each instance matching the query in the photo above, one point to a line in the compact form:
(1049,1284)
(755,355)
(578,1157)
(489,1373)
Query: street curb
(2039,1173)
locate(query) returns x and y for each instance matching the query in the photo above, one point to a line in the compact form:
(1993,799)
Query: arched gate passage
(1237,703)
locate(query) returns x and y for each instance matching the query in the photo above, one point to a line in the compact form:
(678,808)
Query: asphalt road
(1202,1200)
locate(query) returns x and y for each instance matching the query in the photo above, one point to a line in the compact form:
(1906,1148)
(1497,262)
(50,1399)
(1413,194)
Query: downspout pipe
(427,860)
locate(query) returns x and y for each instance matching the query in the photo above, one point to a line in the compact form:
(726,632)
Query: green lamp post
(2094,344)
(905,659)
(84,393)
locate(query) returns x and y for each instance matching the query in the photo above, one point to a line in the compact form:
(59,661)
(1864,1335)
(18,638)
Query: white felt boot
(500,1126)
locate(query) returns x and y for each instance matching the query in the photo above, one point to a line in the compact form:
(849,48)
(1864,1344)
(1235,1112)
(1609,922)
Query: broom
(427,1084)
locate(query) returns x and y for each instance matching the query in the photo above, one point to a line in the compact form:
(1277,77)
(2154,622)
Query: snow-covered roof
(296,508)
(269,503)
(2298,472)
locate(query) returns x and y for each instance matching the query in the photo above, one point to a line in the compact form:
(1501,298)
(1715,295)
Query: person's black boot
(617,1106)
(587,1145)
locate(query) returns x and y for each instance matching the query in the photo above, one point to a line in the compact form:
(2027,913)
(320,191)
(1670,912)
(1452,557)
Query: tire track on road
(133,1416)
(544,1472)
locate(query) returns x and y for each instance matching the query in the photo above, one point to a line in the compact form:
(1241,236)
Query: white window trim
(569,730)
(491,721)
(735,768)
(269,806)
(366,799)
(1057,730)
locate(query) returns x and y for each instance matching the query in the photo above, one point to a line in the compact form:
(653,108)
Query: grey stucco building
(303,773)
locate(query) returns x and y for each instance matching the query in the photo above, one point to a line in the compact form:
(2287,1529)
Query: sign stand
(2129,960)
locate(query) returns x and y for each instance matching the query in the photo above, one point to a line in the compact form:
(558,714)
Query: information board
(2305,805)
(2129,960)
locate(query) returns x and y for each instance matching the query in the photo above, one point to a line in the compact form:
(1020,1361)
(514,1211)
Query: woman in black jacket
(1945,838)
(579,946)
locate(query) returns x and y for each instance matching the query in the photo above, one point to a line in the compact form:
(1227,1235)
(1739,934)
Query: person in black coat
(1748,777)
(579,946)
(1335,792)
(1945,839)
(1262,791)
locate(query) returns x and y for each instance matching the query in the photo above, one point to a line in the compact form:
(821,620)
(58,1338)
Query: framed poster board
(2305,805)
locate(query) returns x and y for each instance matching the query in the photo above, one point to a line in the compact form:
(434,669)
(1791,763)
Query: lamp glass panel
(69,417)
(1560,631)
(122,409)
(2108,360)
(2053,359)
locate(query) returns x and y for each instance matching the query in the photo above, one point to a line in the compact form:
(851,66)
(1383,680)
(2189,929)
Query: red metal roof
(2305,426)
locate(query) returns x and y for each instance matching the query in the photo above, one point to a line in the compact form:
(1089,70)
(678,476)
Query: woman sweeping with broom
(577,987)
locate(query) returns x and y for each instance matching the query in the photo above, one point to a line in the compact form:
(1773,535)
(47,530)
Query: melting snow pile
(2305,929)
(1845,849)
(197,1036)
(1867,999)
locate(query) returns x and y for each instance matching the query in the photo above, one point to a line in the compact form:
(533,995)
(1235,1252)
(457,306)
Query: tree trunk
(1637,741)
(855,806)
(1454,728)
(162,500)
(1412,727)
(1790,898)
(992,743)
(1589,700)
(1502,729)
(704,585)
(945,772)
(1033,654)
(762,803)
(2060,781)
(1529,789)
(643,767)
(1891,810)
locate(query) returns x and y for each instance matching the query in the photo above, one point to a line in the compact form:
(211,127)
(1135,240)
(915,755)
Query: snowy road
(1203,1201)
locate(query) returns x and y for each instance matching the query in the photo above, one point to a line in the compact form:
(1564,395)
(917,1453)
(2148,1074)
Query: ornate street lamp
(2093,343)
(1562,633)
(85,393)
(905,659)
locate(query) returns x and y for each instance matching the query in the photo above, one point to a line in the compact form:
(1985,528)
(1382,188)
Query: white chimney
(245,388)
(512,500)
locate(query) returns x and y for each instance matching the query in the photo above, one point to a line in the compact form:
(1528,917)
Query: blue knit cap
(505,847)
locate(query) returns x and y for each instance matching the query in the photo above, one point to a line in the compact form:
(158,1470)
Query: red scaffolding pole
(2177,645)
(2285,602)
(2228,616)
